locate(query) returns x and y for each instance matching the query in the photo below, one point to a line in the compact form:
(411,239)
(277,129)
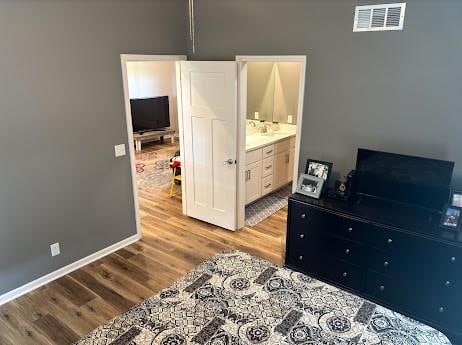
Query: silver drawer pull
(350,229)
(345,274)
(389,241)
(268,185)
(302,235)
(300,257)
(303,216)
(385,264)
(453,259)
(268,167)
(382,288)
(347,251)
(441,309)
(268,152)
(447,283)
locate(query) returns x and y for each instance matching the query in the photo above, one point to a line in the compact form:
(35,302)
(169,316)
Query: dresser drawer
(267,168)
(324,245)
(312,220)
(268,151)
(390,290)
(339,272)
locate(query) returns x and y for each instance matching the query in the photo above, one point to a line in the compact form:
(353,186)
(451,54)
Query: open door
(209,116)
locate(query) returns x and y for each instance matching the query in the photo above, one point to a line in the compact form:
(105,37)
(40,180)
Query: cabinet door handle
(268,185)
(268,167)
(269,152)
(287,158)
(250,174)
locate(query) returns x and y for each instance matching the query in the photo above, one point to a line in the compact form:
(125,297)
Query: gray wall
(61,113)
(393,91)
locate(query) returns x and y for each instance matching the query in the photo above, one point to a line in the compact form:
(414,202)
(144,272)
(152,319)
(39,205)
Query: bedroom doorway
(151,106)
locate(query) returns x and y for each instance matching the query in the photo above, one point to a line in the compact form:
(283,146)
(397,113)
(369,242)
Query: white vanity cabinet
(268,168)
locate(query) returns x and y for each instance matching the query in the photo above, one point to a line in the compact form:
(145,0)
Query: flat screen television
(412,180)
(150,113)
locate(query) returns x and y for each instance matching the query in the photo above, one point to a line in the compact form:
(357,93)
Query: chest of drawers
(383,258)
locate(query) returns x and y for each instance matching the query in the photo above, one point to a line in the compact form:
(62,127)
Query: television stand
(138,138)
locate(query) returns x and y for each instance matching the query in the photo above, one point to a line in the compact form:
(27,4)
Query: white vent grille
(379,17)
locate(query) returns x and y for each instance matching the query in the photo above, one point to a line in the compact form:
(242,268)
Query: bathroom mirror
(272,91)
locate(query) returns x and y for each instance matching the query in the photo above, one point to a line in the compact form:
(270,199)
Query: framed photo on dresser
(456,199)
(310,185)
(451,218)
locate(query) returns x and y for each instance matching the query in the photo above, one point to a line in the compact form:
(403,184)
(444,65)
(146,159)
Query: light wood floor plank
(172,244)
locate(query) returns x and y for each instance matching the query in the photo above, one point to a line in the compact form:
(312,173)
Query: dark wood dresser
(394,255)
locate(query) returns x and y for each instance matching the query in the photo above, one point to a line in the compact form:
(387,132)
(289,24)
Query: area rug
(265,207)
(238,299)
(153,170)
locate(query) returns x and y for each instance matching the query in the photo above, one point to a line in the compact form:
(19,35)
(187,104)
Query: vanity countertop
(257,140)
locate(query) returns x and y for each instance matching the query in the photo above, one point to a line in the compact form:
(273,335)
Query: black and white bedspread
(235,299)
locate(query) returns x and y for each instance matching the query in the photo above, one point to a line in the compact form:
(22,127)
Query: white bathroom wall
(154,79)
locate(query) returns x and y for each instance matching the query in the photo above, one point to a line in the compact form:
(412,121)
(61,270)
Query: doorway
(271,95)
(150,96)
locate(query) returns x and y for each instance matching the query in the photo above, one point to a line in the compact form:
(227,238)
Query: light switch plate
(55,250)
(119,150)
(289,119)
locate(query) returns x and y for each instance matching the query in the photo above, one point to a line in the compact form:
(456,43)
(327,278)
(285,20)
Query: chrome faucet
(263,128)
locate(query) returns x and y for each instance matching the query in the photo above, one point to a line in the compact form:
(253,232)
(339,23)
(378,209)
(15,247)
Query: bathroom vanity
(269,161)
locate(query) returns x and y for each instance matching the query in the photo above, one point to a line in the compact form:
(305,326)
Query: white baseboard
(66,270)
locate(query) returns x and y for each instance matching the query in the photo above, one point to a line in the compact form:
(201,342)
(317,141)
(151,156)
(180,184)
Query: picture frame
(451,218)
(310,186)
(319,169)
(455,199)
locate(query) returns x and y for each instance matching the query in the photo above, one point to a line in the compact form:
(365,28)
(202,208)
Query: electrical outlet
(257,115)
(119,150)
(289,118)
(55,250)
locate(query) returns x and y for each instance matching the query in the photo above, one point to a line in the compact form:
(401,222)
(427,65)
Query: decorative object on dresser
(319,169)
(451,218)
(310,185)
(456,198)
(344,189)
(392,252)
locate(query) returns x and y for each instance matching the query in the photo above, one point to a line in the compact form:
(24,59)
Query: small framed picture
(456,199)
(319,169)
(451,218)
(310,185)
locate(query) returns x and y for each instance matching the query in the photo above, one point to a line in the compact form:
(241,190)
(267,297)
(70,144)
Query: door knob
(230,161)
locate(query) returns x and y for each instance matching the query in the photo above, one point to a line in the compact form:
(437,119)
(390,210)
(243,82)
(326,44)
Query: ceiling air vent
(379,17)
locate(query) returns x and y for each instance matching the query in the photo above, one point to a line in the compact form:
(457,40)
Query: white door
(209,107)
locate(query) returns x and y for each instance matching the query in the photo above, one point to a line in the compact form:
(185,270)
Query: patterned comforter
(235,299)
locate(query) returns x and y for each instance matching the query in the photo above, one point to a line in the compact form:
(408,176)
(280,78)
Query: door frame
(242,61)
(124,58)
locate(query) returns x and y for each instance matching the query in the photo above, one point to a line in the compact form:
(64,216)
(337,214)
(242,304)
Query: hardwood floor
(68,308)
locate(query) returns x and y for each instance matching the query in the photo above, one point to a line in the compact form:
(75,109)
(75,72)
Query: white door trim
(124,58)
(242,61)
